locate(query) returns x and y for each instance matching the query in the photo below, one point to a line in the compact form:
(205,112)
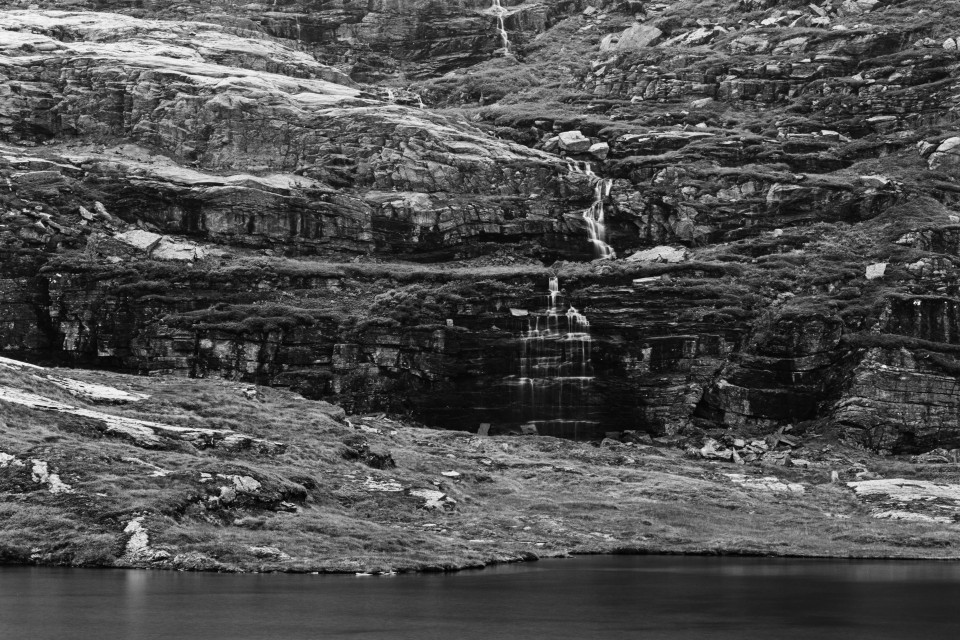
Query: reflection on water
(599,597)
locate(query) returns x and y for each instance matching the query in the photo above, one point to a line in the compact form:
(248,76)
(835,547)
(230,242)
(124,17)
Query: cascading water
(555,378)
(594,214)
(501,14)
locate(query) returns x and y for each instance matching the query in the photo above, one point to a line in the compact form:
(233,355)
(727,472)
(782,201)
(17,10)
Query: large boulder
(574,142)
(947,155)
(638,36)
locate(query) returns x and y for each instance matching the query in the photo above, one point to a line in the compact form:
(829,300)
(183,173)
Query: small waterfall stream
(555,378)
(501,13)
(594,214)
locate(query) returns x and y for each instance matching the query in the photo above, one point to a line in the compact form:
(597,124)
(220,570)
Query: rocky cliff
(366,204)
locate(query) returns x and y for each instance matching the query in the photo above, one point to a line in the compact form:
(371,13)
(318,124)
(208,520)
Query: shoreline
(506,563)
(315,490)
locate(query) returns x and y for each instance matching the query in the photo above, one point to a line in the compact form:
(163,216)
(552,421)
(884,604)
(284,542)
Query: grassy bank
(371,494)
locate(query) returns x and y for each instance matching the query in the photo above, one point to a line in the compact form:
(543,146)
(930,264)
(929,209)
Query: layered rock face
(185,197)
(333,168)
(372,41)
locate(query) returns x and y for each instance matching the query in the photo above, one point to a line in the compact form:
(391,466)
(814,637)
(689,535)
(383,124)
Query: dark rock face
(224,192)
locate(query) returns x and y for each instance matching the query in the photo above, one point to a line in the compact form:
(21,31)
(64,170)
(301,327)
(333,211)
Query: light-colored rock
(713,450)
(272,553)
(946,156)
(389,485)
(639,36)
(142,432)
(41,474)
(155,471)
(102,211)
(245,484)
(950,44)
(16,365)
(901,490)
(95,392)
(434,499)
(910,500)
(767,483)
(599,150)
(659,254)
(750,43)
(138,544)
(168,249)
(909,516)
(8,460)
(574,142)
(143,240)
(877,270)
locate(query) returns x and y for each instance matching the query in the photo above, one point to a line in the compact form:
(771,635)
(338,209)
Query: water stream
(501,13)
(556,375)
(594,214)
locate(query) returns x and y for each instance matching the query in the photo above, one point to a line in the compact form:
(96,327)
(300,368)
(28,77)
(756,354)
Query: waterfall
(501,13)
(594,214)
(555,377)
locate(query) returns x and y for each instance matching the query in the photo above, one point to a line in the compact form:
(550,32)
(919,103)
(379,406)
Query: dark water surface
(583,598)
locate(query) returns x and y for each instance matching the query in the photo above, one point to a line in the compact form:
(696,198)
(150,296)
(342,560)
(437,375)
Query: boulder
(574,142)
(713,450)
(142,240)
(659,254)
(947,155)
(168,249)
(875,271)
(639,36)
(599,150)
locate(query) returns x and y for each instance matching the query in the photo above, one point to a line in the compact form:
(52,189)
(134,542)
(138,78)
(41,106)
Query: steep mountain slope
(257,193)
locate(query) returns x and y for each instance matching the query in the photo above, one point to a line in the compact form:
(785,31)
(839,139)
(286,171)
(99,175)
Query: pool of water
(604,597)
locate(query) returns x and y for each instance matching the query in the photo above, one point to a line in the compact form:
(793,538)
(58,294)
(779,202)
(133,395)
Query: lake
(602,597)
